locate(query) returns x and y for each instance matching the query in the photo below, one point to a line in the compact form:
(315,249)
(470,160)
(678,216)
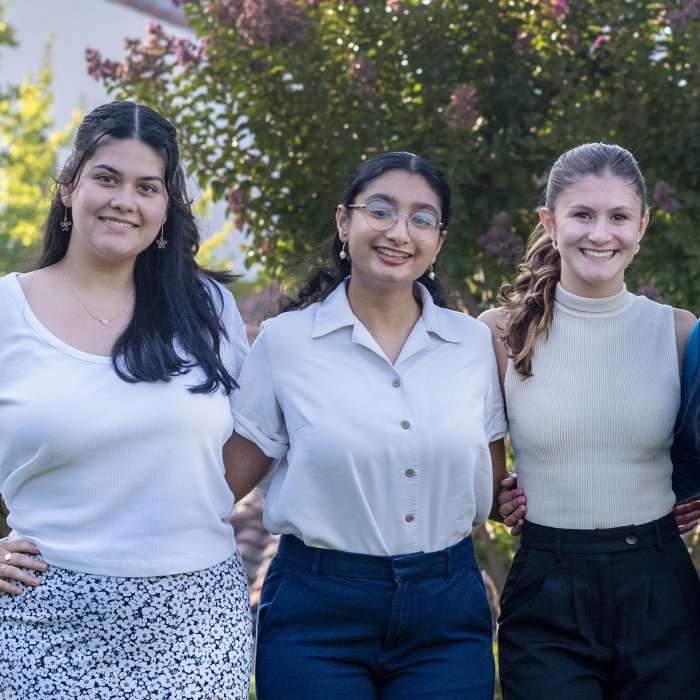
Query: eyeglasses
(422,225)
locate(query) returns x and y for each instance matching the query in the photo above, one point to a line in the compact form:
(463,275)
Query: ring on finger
(7,557)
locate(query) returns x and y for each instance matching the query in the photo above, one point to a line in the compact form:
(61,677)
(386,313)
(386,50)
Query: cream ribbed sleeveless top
(592,427)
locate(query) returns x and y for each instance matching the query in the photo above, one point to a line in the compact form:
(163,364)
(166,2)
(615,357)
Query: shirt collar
(335,312)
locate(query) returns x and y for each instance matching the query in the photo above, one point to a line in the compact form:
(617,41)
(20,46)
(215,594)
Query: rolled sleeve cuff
(498,431)
(271,446)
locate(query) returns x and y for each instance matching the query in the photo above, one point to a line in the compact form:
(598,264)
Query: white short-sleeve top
(105,476)
(374,457)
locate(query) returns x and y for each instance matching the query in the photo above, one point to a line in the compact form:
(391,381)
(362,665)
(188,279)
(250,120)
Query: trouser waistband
(336,563)
(617,539)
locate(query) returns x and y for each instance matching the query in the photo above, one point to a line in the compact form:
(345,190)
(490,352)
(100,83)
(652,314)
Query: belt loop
(448,562)
(659,538)
(316,562)
(557,545)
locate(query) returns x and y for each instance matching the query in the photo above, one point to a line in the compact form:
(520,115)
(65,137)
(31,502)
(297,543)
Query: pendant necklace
(103,321)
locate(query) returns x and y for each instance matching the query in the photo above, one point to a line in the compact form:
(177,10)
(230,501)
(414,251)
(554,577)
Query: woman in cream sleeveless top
(602,600)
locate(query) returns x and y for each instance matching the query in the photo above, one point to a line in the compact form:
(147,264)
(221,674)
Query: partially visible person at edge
(384,411)
(685,452)
(118,357)
(602,599)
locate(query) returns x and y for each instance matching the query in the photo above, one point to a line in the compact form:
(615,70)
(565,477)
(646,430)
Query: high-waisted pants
(343,626)
(608,614)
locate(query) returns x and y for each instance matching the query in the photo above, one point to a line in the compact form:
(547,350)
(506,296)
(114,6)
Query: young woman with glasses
(383,411)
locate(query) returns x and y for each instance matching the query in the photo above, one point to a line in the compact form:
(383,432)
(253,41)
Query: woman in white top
(382,408)
(121,577)
(602,600)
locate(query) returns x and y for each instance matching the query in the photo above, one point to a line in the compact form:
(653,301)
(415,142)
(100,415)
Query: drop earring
(431,271)
(554,245)
(161,242)
(637,248)
(343,255)
(65,224)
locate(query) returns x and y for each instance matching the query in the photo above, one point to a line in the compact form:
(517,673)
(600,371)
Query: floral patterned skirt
(171,637)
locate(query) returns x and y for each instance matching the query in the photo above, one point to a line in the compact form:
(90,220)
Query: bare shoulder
(495,319)
(684,322)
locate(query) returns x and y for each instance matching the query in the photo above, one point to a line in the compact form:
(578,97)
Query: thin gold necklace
(103,321)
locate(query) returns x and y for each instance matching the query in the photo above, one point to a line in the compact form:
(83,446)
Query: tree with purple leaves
(277,99)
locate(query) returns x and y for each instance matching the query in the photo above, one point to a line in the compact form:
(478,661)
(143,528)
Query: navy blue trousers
(343,626)
(601,615)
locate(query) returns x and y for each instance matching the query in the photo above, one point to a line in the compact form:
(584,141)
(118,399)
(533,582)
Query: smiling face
(597,223)
(119,202)
(389,259)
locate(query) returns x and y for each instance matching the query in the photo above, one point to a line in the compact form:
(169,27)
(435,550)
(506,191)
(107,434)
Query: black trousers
(601,615)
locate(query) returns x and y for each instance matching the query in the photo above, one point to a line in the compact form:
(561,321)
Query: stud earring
(65,224)
(343,255)
(161,242)
(555,245)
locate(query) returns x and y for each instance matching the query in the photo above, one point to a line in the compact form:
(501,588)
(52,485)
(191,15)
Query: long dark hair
(529,299)
(321,281)
(172,297)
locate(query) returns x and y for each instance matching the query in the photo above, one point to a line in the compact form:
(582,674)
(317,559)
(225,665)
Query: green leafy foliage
(28,152)
(278,100)
(7,35)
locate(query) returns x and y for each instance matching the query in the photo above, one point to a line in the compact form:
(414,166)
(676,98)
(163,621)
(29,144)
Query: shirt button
(631,537)
(396,382)
(405,424)
(410,473)
(410,518)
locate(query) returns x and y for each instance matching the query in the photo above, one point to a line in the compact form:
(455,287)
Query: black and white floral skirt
(171,637)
